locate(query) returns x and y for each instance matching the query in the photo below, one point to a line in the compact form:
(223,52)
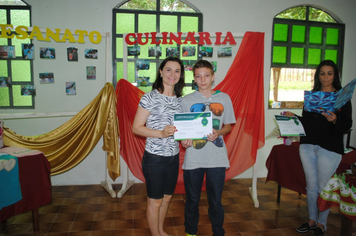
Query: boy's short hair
(203,64)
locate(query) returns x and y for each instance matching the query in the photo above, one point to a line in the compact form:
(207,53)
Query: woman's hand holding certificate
(290,126)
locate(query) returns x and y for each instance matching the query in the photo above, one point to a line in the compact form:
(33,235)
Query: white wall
(219,16)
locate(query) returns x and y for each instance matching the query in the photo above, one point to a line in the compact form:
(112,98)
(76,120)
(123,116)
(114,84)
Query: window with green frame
(152,16)
(15,72)
(302,37)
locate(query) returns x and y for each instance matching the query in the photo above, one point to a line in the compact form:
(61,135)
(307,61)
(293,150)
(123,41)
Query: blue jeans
(193,181)
(319,165)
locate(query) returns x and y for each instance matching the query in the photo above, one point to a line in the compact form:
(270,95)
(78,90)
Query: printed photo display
(5,81)
(46,78)
(72,54)
(188,51)
(143,81)
(224,51)
(28,51)
(91,53)
(205,51)
(143,64)
(133,50)
(154,51)
(172,52)
(7,52)
(91,72)
(47,53)
(71,88)
(28,90)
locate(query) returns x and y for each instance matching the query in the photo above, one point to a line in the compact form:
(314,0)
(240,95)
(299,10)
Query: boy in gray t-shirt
(206,156)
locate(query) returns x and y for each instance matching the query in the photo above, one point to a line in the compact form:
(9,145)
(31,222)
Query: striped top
(161,108)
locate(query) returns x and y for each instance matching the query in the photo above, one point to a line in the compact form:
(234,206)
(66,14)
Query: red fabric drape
(131,145)
(243,83)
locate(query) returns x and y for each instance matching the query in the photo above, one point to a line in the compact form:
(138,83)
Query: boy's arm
(216,133)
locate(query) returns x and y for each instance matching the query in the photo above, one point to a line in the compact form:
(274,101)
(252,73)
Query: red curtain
(243,83)
(131,145)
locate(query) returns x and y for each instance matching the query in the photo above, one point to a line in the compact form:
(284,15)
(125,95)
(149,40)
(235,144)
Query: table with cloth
(340,191)
(285,168)
(35,183)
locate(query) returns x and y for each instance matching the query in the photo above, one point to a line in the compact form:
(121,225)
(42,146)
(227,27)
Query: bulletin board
(71,75)
(213,53)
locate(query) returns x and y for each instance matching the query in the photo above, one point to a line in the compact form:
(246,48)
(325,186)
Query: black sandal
(318,232)
(305,228)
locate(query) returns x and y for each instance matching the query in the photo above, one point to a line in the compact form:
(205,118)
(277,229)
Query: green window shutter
(125,23)
(131,70)
(279,54)
(297,56)
(331,55)
(119,47)
(4,97)
(280,33)
(298,34)
(332,36)
(189,77)
(3,41)
(3,17)
(314,56)
(21,71)
(168,23)
(316,35)
(20,17)
(119,71)
(146,23)
(189,24)
(3,68)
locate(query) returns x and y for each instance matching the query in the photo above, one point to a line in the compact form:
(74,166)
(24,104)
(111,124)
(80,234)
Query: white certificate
(193,125)
(290,126)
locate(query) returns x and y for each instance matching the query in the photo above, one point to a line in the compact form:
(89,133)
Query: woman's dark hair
(178,87)
(336,82)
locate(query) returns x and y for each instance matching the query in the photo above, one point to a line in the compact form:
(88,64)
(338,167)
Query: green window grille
(304,36)
(15,72)
(146,17)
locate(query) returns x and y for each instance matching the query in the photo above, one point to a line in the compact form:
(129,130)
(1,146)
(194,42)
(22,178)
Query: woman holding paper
(160,162)
(322,147)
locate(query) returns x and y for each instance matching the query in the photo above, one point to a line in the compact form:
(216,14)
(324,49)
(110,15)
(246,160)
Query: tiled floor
(88,210)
